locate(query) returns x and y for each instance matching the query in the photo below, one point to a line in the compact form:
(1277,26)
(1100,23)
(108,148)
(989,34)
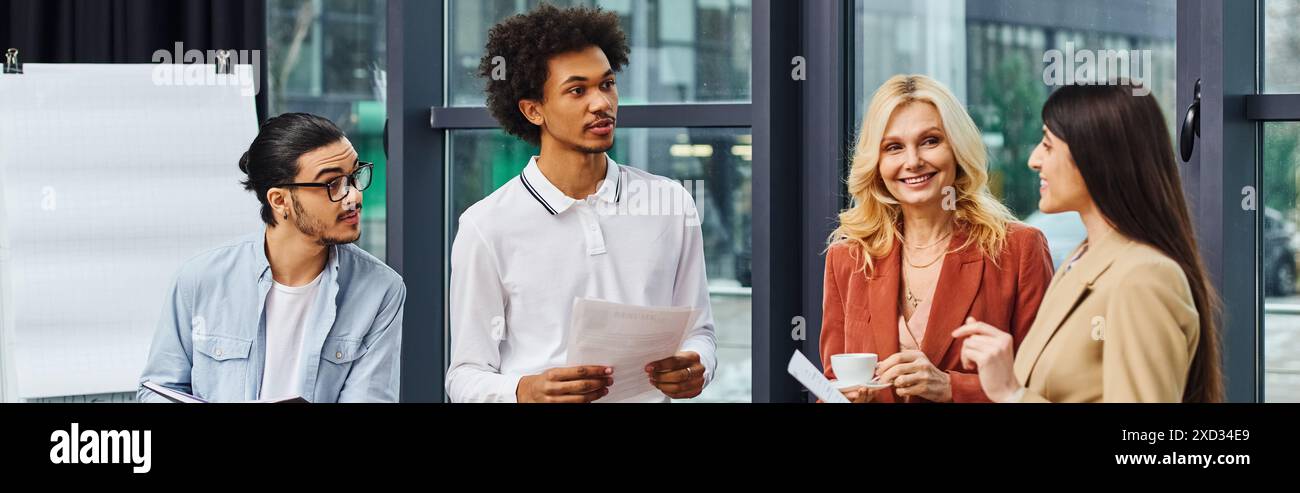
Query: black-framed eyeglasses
(338,187)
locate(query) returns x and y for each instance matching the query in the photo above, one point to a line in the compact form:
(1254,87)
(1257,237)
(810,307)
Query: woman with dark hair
(1130,317)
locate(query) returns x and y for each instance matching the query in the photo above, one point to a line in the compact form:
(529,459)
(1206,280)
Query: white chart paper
(109,182)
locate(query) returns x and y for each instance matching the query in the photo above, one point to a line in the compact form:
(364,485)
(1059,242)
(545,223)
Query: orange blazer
(860,313)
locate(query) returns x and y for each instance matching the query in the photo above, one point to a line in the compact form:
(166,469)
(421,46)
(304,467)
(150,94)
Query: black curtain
(129,31)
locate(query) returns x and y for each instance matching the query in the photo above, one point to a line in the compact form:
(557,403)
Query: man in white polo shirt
(573,224)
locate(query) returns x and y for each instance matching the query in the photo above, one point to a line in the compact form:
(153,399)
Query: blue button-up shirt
(211,338)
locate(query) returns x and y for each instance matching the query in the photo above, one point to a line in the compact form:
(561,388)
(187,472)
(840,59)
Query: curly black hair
(527,42)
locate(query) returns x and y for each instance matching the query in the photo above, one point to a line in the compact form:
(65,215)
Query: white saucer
(870,386)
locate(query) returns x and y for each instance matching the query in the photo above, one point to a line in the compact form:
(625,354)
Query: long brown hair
(1122,148)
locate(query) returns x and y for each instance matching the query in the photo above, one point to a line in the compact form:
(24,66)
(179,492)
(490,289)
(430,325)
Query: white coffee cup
(854,368)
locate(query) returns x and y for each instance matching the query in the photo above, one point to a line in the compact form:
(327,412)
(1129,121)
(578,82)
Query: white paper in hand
(626,338)
(807,374)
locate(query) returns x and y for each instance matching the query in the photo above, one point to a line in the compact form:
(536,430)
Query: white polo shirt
(525,252)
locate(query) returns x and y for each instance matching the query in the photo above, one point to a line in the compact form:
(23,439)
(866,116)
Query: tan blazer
(1119,326)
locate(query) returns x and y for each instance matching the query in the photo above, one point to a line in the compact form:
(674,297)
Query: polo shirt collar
(555,202)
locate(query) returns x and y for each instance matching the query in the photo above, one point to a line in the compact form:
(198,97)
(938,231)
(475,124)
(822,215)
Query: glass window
(991,55)
(1277,260)
(326,57)
(683,51)
(714,164)
(1281,46)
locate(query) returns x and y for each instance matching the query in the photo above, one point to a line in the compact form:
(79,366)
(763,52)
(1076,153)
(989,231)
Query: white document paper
(109,181)
(173,395)
(184,398)
(806,373)
(626,338)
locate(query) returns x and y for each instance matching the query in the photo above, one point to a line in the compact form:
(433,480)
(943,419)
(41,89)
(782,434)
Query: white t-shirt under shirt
(287,309)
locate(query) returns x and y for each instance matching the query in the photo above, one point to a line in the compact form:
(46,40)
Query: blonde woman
(924,246)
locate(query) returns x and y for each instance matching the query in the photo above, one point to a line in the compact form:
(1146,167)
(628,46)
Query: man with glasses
(295,309)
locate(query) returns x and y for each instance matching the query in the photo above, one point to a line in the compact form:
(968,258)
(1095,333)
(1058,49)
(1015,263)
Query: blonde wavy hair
(874,220)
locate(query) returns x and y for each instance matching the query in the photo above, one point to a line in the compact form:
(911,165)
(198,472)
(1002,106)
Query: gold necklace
(931,245)
(911,299)
(914,266)
(936,242)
